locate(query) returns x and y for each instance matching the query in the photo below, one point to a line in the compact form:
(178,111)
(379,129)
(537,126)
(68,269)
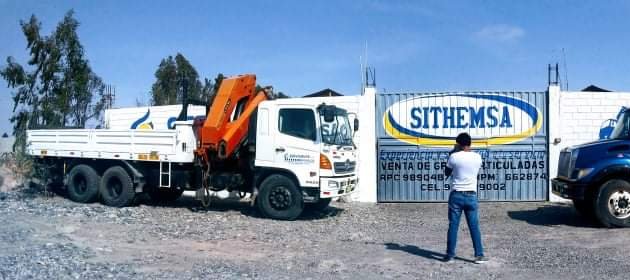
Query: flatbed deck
(144,145)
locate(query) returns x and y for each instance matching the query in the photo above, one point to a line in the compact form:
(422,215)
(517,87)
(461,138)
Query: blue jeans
(458,201)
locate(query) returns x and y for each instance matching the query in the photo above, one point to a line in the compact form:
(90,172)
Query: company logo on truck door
(435,120)
(298,159)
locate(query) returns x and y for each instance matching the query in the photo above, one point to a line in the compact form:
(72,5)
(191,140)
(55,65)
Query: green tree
(171,77)
(175,73)
(164,89)
(59,89)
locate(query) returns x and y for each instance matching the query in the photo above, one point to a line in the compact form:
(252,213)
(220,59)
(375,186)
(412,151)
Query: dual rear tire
(83,182)
(115,188)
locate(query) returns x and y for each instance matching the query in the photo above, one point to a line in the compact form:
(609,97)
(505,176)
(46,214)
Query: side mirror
(356,125)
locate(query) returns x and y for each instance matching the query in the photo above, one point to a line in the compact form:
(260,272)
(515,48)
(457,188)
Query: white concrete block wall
(577,117)
(583,114)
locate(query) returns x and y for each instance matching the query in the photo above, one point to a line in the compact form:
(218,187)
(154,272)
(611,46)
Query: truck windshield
(623,126)
(337,131)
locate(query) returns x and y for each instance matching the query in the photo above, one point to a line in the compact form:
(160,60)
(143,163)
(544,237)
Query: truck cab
(309,144)
(596,176)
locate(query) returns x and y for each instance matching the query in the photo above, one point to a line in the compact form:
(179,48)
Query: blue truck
(596,176)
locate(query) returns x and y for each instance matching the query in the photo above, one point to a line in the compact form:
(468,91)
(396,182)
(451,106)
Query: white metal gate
(417,130)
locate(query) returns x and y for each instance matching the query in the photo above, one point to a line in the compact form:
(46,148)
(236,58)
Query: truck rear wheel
(612,205)
(279,198)
(116,187)
(83,184)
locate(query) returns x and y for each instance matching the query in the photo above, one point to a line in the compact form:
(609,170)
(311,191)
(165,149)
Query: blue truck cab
(596,176)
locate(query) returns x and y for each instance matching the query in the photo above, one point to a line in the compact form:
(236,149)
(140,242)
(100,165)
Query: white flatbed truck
(290,153)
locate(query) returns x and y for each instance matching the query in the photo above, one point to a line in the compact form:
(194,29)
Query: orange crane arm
(226,123)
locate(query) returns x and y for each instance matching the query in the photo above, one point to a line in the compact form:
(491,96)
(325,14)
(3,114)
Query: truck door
(296,146)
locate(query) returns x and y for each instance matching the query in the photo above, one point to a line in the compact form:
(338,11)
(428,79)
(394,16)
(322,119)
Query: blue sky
(300,47)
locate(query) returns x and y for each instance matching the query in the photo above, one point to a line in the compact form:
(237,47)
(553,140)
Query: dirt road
(54,238)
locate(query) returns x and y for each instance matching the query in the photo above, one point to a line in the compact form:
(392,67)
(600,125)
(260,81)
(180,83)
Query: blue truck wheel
(612,204)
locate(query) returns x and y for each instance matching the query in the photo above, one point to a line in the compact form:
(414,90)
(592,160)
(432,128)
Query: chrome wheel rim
(619,204)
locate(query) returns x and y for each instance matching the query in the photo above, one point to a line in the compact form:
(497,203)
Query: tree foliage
(172,75)
(57,88)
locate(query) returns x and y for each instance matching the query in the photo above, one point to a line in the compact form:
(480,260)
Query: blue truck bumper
(568,189)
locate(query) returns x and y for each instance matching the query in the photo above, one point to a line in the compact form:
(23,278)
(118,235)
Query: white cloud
(500,33)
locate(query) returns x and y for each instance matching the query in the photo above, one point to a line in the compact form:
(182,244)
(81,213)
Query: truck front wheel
(279,198)
(612,205)
(83,184)
(116,187)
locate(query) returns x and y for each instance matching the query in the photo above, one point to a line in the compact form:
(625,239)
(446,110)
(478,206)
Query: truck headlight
(583,172)
(333,184)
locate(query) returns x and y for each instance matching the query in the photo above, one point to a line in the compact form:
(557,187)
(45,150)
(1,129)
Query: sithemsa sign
(435,120)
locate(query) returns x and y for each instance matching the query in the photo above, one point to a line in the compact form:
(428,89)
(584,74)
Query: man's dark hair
(463,139)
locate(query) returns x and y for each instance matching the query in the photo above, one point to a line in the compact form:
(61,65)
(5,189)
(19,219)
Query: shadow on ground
(33,190)
(552,215)
(244,207)
(415,250)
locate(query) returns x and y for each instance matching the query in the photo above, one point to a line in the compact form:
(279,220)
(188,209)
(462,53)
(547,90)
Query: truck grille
(564,165)
(344,166)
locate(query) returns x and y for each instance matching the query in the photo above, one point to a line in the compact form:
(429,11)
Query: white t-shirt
(465,167)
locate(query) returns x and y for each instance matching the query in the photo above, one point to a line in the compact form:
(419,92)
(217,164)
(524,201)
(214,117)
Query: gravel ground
(44,237)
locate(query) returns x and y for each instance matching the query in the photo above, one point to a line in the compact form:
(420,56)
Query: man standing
(463,166)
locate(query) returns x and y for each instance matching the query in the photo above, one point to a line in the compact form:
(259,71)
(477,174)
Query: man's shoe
(447,259)
(481,259)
